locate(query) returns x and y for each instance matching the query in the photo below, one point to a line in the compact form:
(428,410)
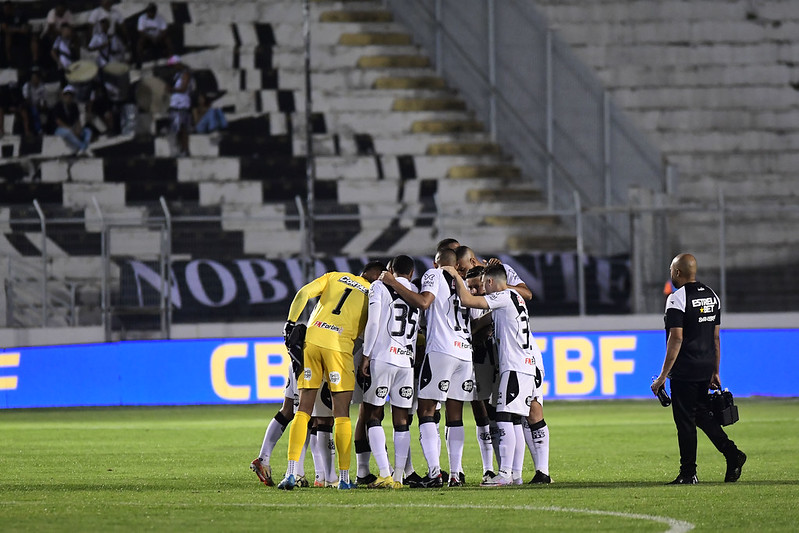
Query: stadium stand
(714,84)
(395,148)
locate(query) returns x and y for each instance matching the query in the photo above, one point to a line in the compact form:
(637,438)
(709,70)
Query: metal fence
(541,103)
(85,289)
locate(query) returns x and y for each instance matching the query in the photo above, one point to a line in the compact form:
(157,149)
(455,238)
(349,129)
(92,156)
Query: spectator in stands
(35,107)
(115,20)
(206,117)
(17,33)
(11,102)
(66,49)
(101,109)
(56,17)
(180,104)
(67,119)
(108,46)
(152,33)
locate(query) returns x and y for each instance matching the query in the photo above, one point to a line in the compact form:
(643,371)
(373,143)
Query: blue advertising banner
(591,365)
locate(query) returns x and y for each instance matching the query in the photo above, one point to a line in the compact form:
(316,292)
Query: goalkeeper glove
(288,327)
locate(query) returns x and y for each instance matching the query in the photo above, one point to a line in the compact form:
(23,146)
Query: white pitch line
(675,526)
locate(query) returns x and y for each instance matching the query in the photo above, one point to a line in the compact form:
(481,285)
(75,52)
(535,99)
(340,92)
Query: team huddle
(460,333)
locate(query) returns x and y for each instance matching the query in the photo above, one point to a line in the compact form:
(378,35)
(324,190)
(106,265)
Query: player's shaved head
(464,252)
(446,257)
(683,269)
(447,243)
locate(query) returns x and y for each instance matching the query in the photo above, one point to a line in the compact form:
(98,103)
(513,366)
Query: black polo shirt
(696,309)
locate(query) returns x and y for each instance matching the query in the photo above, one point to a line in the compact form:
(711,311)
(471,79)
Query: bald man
(693,354)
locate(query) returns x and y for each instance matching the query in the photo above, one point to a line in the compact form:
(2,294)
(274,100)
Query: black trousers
(691,410)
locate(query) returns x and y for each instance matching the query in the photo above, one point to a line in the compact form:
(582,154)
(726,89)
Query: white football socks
(486,447)
(456,437)
(431,447)
(377,441)
(273,433)
(507,448)
(402,453)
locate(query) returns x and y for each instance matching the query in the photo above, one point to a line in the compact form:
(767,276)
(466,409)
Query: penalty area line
(675,526)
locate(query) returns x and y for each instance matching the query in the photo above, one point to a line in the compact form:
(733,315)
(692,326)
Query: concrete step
(395,100)
(756,75)
(575,11)
(734,118)
(357,78)
(344,34)
(332,57)
(389,123)
(400,144)
(597,55)
(363,167)
(349,15)
(757,162)
(676,98)
(707,32)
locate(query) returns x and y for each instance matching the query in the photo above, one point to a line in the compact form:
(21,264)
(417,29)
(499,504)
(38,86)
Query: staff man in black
(693,319)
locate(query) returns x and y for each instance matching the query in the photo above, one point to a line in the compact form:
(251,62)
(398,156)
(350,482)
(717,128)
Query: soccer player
(337,320)
(446,374)
(485,369)
(520,372)
(467,259)
(388,353)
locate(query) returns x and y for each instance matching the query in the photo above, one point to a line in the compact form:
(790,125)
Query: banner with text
(259,289)
(591,365)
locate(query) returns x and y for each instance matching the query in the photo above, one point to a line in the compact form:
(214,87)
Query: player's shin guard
(273,433)
(537,437)
(377,442)
(402,451)
(431,445)
(507,447)
(455,436)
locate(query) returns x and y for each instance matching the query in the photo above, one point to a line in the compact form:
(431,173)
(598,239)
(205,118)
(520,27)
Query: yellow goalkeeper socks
(342,434)
(297,434)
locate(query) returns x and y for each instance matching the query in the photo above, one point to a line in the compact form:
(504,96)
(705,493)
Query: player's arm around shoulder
(467,298)
(421,300)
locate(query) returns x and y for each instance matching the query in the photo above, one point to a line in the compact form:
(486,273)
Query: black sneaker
(365,480)
(413,478)
(540,478)
(462,478)
(684,480)
(734,465)
(455,482)
(489,474)
(429,483)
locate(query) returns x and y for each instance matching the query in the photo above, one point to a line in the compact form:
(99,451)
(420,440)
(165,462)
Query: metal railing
(29,287)
(540,103)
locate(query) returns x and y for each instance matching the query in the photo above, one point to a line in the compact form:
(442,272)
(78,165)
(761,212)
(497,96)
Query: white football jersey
(448,328)
(513,277)
(391,328)
(516,346)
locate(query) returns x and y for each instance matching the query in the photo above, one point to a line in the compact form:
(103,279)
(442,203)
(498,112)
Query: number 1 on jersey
(337,310)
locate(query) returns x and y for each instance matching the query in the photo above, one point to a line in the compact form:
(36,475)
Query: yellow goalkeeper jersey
(340,316)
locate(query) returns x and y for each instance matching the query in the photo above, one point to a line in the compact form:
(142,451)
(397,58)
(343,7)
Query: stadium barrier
(579,365)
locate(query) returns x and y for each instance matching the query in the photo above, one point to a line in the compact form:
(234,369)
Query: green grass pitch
(186,468)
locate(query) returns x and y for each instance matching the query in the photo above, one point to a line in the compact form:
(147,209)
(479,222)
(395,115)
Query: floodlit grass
(186,468)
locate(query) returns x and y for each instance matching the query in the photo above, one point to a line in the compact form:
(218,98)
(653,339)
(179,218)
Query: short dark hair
(373,265)
(462,251)
(496,272)
(446,243)
(446,257)
(475,272)
(402,265)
